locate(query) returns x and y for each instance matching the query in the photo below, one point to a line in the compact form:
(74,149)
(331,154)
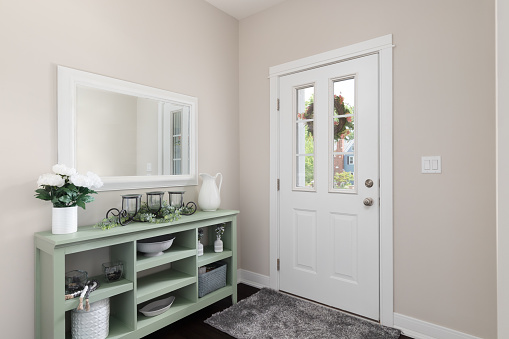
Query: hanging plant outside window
(343,126)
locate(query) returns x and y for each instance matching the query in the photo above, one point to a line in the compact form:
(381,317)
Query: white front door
(329,185)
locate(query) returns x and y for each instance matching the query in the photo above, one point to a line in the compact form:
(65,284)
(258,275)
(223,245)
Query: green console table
(135,289)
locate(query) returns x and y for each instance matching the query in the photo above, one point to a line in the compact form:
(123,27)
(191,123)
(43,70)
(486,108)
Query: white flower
(95,180)
(80,180)
(50,179)
(63,170)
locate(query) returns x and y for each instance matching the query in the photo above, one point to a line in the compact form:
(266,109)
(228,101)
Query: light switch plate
(432,164)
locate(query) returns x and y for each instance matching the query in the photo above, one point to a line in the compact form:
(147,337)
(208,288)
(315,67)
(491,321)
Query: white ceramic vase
(200,248)
(209,198)
(218,245)
(64,220)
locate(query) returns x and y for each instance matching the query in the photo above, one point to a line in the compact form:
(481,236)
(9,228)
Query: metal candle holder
(131,204)
(176,199)
(155,201)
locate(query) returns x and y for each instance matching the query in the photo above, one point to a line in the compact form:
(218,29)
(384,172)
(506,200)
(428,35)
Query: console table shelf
(146,279)
(173,254)
(209,256)
(106,290)
(160,283)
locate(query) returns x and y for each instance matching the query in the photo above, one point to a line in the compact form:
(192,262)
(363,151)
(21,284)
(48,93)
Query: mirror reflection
(144,136)
(133,136)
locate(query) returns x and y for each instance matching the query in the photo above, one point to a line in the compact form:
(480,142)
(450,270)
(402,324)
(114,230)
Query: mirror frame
(69,79)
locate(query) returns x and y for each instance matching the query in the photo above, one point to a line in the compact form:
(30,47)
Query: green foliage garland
(167,213)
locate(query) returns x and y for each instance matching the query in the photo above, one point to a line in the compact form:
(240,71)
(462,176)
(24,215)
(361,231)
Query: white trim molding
(502,181)
(331,57)
(383,47)
(252,279)
(419,329)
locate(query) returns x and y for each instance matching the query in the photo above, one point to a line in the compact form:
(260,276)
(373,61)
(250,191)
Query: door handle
(368,201)
(368,183)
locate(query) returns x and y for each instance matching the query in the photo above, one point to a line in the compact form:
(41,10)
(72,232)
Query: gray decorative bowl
(153,247)
(157,307)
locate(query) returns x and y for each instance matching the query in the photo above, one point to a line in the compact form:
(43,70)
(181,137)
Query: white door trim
(383,46)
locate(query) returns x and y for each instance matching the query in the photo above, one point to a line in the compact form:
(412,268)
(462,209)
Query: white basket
(94,324)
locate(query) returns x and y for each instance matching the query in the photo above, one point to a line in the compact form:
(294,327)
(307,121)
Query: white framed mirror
(133,136)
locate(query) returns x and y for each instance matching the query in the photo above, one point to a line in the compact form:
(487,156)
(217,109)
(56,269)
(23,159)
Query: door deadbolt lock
(368,183)
(368,201)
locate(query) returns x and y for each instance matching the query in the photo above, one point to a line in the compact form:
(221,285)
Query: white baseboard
(252,279)
(419,329)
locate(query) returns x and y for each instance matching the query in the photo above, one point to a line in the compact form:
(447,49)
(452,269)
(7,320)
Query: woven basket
(211,281)
(94,324)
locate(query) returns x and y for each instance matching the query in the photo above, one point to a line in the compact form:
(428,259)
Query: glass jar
(113,271)
(75,281)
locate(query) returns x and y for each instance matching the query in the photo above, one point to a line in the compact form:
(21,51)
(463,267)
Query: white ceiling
(241,9)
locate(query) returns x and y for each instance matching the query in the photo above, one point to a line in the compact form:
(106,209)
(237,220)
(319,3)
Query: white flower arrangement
(66,187)
(90,180)
(63,170)
(50,179)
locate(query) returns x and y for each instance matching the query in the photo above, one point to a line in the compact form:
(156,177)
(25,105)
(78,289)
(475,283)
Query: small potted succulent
(218,244)
(200,245)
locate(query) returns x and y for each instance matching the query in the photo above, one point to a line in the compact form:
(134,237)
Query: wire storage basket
(92,324)
(212,280)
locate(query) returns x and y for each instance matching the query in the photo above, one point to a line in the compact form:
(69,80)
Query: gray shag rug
(271,314)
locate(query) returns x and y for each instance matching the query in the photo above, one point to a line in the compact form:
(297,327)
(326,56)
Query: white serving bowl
(152,247)
(157,307)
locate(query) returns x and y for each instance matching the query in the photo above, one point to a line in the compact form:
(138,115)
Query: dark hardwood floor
(193,326)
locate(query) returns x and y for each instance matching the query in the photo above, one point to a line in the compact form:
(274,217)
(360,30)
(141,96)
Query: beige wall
(185,46)
(444,104)
(444,75)
(503,167)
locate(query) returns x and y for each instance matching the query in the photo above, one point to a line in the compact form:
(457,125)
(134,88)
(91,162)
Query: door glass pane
(343,136)
(305,174)
(344,170)
(305,99)
(304,141)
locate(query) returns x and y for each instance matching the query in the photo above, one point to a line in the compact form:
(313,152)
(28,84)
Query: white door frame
(383,47)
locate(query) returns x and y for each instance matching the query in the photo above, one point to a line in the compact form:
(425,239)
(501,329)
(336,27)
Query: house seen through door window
(342,129)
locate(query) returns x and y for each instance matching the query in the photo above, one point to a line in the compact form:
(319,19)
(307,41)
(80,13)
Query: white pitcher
(209,199)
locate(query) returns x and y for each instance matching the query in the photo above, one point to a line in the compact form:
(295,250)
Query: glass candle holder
(131,203)
(113,271)
(154,201)
(75,281)
(176,199)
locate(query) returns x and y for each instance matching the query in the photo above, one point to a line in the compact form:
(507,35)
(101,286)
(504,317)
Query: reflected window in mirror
(175,139)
